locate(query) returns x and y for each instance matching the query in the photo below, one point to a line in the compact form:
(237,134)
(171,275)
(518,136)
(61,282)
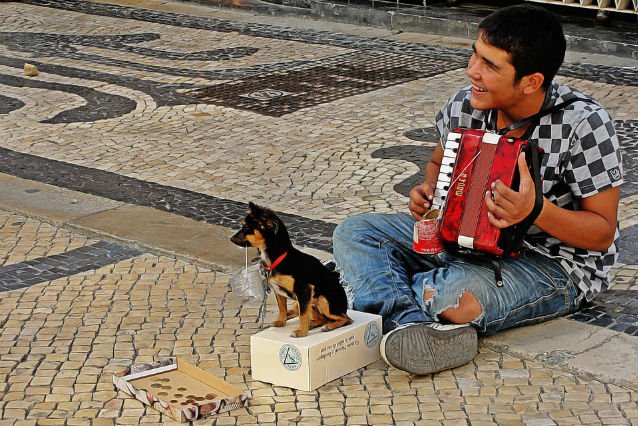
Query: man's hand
(507,207)
(422,195)
(421,199)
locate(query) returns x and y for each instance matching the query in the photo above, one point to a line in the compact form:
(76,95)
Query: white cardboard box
(306,363)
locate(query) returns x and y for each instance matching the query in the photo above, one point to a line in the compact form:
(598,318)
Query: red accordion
(472,161)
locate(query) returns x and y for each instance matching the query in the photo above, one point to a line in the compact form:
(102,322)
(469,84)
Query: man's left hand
(507,207)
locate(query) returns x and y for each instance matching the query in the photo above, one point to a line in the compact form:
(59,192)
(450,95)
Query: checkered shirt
(582,158)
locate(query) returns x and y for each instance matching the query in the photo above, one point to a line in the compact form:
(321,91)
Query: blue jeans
(375,256)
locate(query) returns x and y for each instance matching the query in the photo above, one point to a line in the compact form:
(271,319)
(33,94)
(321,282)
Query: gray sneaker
(429,347)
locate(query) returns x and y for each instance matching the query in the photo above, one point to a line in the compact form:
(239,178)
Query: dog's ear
(273,224)
(253,207)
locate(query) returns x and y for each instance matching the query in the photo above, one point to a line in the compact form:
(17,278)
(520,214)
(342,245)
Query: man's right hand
(421,198)
(422,195)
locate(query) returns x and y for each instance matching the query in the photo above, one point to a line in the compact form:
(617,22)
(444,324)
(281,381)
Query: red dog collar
(276,262)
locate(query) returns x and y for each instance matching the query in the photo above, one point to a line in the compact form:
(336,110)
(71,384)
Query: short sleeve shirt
(582,158)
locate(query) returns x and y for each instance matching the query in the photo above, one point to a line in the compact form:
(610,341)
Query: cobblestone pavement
(197,114)
(61,339)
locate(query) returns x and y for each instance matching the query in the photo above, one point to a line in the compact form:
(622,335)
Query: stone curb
(588,351)
(139,227)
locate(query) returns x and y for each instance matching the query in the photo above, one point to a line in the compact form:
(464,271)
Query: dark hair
(533,37)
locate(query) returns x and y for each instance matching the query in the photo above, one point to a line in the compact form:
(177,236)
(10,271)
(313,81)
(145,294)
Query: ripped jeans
(375,256)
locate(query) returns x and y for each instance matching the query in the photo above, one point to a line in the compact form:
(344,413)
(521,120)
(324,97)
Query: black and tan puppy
(321,300)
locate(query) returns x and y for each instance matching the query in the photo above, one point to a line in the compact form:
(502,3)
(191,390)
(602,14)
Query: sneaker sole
(422,350)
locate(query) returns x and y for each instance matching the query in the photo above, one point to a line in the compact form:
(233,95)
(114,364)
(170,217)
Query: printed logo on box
(290,357)
(372,334)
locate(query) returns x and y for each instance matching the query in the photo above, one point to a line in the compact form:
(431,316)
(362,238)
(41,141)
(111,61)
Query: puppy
(292,274)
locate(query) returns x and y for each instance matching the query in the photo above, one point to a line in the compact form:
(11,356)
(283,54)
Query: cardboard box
(179,390)
(306,363)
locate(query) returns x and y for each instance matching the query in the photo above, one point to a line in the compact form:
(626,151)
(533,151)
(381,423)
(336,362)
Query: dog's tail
(332,266)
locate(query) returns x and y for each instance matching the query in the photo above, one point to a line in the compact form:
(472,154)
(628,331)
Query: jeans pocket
(554,274)
(552,270)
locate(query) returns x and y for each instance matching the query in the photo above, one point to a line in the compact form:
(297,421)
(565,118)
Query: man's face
(492,75)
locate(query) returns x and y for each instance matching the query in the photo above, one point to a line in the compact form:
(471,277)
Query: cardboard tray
(179,390)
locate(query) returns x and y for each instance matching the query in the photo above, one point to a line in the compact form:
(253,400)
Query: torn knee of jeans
(428,294)
(474,319)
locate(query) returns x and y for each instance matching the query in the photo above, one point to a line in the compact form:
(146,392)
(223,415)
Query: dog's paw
(299,333)
(278,323)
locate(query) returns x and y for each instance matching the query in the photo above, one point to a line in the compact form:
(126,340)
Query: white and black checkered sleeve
(454,113)
(442,121)
(595,162)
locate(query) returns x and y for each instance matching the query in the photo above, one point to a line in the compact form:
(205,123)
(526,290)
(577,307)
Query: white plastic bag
(248,284)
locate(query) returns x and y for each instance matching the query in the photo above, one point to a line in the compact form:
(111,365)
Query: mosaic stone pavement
(61,339)
(197,115)
(23,240)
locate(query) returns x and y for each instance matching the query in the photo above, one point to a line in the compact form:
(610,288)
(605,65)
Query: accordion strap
(537,116)
(520,229)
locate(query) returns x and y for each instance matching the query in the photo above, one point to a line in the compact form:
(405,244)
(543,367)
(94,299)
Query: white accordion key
(445,170)
(447,162)
(443,185)
(438,202)
(451,145)
(449,157)
(453,141)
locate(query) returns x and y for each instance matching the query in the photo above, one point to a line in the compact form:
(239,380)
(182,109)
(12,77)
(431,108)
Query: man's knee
(357,228)
(348,227)
(469,308)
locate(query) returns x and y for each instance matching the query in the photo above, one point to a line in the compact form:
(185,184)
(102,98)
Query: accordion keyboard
(445,172)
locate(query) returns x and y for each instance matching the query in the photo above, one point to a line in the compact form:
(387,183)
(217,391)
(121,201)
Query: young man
(433,305)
